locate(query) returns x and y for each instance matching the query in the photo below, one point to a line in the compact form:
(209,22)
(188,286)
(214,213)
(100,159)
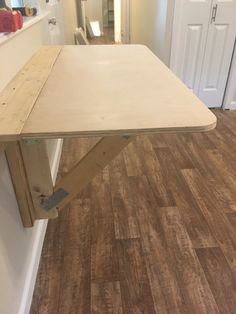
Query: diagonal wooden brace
(85,170)
(31,175)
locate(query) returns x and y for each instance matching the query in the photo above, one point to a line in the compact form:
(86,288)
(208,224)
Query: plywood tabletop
(123,89)
(118,89)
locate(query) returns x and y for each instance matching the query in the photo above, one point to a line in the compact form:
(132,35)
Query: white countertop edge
(28,22)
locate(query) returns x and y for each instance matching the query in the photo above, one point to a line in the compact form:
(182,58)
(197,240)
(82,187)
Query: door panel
(191,53)
(189,39)
(219,50)
(216,53)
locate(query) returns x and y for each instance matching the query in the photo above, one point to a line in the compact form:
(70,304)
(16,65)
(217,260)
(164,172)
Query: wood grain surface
(2,147)
(155,232)
(114,90)
(19,96)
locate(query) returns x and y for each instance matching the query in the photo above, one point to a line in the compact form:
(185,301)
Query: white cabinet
(202,46)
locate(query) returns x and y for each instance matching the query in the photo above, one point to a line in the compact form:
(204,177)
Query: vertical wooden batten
(25,87)
(20,183)
(37,167)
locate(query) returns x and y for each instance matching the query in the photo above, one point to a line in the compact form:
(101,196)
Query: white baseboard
(233,105)
(56,160)
(30,280)
(230,106)
(37,244)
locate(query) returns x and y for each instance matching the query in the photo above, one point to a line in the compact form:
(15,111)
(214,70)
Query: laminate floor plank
(47,294)
(165,287)
(124,211)
(224,141)
(199,159)
(154,232)
(183,159)
(106,39)
(125,220)
(217,220)
(220,277)
(132,161)
(135,287)
(226,172)
(143,154)
(210,165)
(106,298)
(146,153)
(75,277)
(104,261)
(232,219)
(117,167)
(158,140)
(176,270)
(161,189)
(193,284)
(226,121)
(203,141)
(221,179)
(101,196)
(195,222)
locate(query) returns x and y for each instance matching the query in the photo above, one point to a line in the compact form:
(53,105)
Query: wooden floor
(107,39)
(154,233)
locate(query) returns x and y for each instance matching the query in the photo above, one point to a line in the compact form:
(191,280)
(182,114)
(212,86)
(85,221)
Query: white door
(219,50)
(190,27)
(55,22)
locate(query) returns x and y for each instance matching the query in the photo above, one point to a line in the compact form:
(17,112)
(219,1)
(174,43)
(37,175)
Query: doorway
(108,19)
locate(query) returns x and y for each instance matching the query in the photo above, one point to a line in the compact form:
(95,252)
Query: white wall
(20,248)
(151,25)
(94,11)
(70,20)
(105,13)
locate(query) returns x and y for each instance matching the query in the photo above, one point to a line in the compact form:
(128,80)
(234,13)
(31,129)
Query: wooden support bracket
(30,171)
(37,167)
(41,101)
(31,175)
(20,183)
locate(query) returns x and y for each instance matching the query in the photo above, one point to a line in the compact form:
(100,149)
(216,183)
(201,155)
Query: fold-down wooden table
(114,92)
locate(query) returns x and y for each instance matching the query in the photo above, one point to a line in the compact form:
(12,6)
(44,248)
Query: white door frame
(230,93)
(126,21)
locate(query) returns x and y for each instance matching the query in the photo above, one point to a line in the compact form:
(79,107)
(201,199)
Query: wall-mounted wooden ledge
(116,92)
